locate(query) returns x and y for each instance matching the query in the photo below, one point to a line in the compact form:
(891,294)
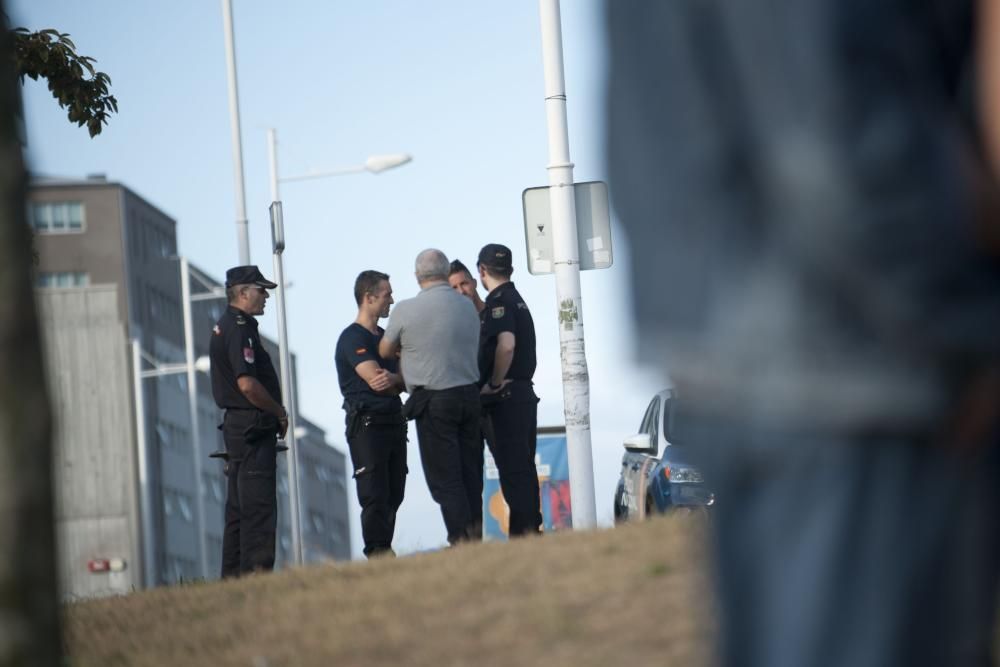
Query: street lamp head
(203,364)
(379,163)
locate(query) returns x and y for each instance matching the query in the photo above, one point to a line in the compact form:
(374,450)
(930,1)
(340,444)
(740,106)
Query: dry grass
(635,594)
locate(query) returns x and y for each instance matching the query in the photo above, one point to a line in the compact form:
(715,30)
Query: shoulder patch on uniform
(361,350)
(240,319)
(216,330)
(522,305)
(497,312)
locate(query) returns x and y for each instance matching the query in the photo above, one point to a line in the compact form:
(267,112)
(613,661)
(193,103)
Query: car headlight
(682,474)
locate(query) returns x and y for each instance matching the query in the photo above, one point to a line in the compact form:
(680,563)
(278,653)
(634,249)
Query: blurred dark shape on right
(812,213)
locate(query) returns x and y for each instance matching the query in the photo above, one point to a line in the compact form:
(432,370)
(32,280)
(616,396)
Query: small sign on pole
(277,228)
(593,226)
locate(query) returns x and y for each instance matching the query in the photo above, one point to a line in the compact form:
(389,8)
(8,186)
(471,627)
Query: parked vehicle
(654,482)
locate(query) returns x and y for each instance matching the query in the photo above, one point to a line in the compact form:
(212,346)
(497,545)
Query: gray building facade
(102,246)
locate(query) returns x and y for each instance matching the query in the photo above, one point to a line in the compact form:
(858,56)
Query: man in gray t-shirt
(436,334)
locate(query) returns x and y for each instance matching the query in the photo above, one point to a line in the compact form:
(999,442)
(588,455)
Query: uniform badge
(497,312)
(248,355)
(240,320)
(361,350)
(216,330)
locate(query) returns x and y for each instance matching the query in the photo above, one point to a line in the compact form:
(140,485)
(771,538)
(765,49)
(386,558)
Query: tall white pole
(142,461)
(272,162)
(242,235)
(576,381)
(192,383)
(287,380)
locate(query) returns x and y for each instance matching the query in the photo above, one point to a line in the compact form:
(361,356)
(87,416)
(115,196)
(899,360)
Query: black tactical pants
(251,516)
(511,427)
(378,453)
(451,451)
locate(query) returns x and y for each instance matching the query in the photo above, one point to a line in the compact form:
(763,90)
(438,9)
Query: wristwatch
(495,386)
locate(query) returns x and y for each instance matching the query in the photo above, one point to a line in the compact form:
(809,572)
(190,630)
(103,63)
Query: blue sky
(458,85)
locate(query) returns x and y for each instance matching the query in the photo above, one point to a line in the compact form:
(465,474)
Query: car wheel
(621,507)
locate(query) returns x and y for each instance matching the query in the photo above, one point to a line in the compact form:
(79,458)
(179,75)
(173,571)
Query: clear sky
(459,85)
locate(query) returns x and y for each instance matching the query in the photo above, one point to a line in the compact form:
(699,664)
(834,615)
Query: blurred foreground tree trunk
(29,609)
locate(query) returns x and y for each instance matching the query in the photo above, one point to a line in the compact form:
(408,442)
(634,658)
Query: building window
(170,435)
(63,279)
(56,217)
(185,506)
(212,487)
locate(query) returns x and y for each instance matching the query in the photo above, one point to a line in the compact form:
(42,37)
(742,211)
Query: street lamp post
(375,165)
(242,235)
(142,451)
(192,384)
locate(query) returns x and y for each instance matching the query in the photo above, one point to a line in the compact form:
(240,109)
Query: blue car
(657,473)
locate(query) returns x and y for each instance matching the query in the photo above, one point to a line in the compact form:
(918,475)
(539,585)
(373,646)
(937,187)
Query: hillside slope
(631,595)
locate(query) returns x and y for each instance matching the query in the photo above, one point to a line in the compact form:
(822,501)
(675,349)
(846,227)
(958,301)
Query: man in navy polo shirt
(376,430)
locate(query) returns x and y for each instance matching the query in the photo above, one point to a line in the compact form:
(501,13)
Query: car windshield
(676,424)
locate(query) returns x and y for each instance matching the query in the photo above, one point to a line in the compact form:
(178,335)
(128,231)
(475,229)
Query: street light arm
(375,164)
(202,365)
(324,174)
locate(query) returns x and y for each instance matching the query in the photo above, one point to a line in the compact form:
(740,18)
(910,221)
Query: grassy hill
(630,595)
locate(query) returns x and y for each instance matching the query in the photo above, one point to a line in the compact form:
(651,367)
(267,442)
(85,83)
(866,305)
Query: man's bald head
(431,265)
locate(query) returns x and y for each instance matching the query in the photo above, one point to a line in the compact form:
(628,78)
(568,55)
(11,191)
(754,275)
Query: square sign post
(593,225)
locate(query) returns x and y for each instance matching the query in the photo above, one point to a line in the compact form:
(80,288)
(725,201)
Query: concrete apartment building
(111,306)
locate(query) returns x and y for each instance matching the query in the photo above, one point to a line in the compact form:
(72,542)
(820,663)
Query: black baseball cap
(495,256)
(247,275)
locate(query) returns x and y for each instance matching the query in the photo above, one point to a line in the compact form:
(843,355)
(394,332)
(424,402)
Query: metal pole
(272,162)
(142,459)
(287,387)
(192,382)
(576,381)
(242,234)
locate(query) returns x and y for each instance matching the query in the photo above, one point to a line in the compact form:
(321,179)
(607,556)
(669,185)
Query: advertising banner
(553,482)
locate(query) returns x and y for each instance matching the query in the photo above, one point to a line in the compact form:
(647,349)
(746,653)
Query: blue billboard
(553,483)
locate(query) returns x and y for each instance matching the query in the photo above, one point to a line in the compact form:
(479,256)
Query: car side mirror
(640,443)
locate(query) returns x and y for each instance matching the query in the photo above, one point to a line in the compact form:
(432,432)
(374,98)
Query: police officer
(461,280)
(376,429)
(507,365)
(245,385)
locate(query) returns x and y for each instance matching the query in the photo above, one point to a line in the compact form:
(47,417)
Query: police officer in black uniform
(245,385)
(507,365)
(376,429)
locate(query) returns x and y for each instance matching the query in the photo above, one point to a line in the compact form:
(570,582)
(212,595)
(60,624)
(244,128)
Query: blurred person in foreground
(808,188)
(376,430)
(436,335)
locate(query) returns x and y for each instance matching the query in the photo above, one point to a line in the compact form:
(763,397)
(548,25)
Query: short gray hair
(432,264)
